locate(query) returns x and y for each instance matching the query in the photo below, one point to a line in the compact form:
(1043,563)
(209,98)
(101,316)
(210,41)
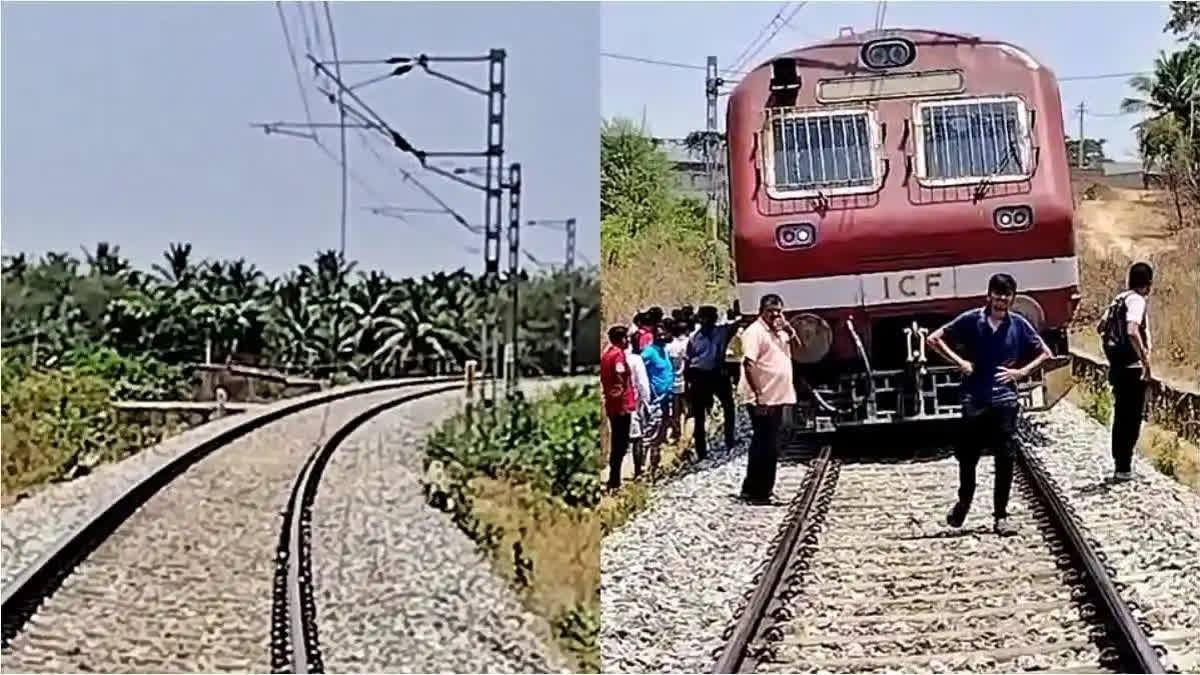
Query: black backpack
(1114,335)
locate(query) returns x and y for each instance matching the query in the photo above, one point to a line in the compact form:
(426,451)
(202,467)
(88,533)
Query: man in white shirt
(640,418)
(677,352)
(1126,337)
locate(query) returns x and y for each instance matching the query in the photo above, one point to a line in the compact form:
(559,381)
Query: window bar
(960,169)
(860,126)
(930,164)
(812,170)
(821,150)
(792,165)
(941,138)
(846,147)
(996,134)
(848,125)
(1008,138)
(969,168)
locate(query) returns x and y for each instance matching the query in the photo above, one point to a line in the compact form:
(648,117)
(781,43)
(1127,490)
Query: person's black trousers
(1129,401)
(702,386)
(994,428)
(619,445)
(764,452)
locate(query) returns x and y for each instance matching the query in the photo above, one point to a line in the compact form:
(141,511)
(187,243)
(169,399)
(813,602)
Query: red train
(876,182)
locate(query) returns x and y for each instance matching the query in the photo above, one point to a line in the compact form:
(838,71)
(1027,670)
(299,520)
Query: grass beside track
(521,480)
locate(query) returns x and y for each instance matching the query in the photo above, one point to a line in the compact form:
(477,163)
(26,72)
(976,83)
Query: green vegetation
(78,334)
(522,480)
(1168,137)
(656,246)
(321,319)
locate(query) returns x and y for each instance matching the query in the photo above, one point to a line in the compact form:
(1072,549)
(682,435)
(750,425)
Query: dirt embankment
(1116,226)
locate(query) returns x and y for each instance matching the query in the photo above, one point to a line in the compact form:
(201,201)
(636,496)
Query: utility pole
(514,271)
(710,139)
(569,268)
(365,118)
(1081,110)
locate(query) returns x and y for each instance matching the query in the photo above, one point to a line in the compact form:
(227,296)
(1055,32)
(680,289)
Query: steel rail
(294,611)
(1133,642)
(40,579)
(734,652)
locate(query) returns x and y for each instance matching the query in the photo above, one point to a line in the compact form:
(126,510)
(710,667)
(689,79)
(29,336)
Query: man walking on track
(705,359)
(767,386)
(1125,332)
(620,401)
(994,341)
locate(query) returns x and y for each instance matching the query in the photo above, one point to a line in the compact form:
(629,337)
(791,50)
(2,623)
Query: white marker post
(469,383)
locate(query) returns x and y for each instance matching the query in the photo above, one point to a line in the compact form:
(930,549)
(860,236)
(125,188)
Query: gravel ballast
(674,576)
(399,588)
(185,584)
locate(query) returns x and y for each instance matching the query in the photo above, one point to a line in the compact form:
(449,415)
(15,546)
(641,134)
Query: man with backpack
(1125,336)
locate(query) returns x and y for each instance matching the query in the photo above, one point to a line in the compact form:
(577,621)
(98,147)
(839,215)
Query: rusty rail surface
(1169,404)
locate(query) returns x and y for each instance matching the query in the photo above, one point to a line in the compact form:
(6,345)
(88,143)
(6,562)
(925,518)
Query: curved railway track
(192,567)
(914,595)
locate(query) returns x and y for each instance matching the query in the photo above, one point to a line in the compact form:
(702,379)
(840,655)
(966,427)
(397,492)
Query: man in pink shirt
(767,387)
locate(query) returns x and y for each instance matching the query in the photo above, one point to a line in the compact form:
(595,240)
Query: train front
(876,183)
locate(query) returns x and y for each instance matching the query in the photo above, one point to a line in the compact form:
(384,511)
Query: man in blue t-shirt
(662,385)
(993,340)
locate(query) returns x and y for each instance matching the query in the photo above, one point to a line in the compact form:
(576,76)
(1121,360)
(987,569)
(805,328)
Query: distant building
(1132,174)
(690,172)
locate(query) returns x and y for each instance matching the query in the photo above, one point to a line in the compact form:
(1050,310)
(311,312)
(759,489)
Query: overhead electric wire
(692,66)
(343,109)
(287,36)
(659,62)
(341,118)
(737,62)
(784,22)
(409,177)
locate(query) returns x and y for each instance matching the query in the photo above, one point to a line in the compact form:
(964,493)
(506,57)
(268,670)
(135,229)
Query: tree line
(324,319)
(1169,137)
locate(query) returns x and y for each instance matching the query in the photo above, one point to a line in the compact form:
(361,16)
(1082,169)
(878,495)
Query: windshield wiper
(986,183)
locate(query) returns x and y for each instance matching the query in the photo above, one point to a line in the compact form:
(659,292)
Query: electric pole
(711,83)
(1081,110)
(569,269)
(514,276)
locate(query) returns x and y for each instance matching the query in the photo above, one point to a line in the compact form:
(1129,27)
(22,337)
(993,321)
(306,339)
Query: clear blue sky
(129,122)
(1072,38)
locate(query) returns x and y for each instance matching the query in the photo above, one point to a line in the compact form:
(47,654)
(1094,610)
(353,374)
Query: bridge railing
(1170,404)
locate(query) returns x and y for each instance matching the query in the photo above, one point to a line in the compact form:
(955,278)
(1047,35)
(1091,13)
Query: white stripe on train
(932,283)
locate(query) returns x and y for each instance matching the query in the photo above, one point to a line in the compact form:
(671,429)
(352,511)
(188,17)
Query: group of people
(657,372)
(648,374)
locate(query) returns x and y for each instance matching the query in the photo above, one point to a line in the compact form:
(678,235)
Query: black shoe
(769,500)
(956,517)
(1004,528)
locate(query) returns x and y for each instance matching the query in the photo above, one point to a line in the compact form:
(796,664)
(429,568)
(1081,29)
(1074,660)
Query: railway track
(193,568)
(865,576)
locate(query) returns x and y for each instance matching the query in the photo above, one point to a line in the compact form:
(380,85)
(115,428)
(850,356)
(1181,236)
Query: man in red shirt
(619,400)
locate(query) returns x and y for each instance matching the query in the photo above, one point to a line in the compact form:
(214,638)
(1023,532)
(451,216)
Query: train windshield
(961,140)
(819,151)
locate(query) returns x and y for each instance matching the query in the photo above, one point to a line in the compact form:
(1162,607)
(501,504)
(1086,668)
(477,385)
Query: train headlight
(1029,308)
(816,338)
(888,53)
(797,235)
(1013,218)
